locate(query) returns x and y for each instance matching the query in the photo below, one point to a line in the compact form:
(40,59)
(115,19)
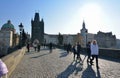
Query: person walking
(78,49)
(74,52)
(94,52)
(28,47)
(68,48)
(3,69)
(50,46)
(88,51)
(35,46)
(38,47)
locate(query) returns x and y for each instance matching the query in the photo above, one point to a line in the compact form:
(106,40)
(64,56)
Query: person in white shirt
(3,69)
(94,52)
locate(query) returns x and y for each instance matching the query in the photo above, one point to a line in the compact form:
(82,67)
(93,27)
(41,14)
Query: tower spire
(83,24)
(36,18)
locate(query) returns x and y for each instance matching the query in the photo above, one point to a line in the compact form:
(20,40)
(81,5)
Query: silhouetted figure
(28,47)
(38,47)
(65,47)
(78,49)
(68,48)
(94,53)
(88,51)
(50,46)
(74,52)
(35,46)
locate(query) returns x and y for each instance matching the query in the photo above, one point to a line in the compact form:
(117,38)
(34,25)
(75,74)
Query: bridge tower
(37,29)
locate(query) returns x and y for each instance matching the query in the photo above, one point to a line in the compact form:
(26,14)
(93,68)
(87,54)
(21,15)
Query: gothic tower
(84,32)
(37,31)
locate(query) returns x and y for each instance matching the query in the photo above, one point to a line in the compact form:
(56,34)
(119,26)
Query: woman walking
(94,52)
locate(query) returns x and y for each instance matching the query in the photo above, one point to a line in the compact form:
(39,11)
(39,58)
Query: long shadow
(40,55)
(69,70)
(98,74)
(44,49)
(31,52)
(63,54)
(90,73)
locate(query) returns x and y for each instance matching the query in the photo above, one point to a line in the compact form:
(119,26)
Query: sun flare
(92,14)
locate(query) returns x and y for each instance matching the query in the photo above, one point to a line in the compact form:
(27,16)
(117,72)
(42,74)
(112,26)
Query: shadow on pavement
(40,55)
(69,70)
(90,73)
(63,54)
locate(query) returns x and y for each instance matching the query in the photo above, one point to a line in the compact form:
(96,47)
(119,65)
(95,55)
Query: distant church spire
(83,24)
(36,18)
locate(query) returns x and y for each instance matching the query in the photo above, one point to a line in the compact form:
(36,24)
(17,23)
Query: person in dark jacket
(50,46)
(88,51)
(28,47)
(68,48)
(78,47)
(38,47)
(74,51)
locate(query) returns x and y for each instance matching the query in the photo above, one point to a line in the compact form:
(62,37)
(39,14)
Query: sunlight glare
(92,14)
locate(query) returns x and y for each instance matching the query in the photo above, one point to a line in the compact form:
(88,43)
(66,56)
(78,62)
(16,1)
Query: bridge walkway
(59,64)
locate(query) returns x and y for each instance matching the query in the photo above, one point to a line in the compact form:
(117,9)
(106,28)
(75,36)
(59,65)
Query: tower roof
(36,18)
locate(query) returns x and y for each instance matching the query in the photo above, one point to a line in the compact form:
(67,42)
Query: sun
(91,13)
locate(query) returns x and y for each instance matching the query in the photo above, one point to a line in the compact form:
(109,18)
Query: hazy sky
(65,16)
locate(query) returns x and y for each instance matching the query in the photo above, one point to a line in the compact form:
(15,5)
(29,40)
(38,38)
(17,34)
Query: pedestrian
(28,47)
(3,69)
(74,52)
(78,49)
(88,51)
(38,47)
(35,46)
(68,48)
(94,52)
(50,46)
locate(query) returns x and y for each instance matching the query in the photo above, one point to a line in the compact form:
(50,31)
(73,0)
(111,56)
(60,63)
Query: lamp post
(86,38)
(20,38)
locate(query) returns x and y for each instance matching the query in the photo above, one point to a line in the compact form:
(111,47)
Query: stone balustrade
(106,52)
(13,59)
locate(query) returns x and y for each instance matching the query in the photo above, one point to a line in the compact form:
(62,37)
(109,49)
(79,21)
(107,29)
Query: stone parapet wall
(13,59)
(113,53)
(105,52)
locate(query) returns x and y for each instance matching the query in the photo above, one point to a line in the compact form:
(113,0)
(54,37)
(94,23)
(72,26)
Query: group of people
(92,52)
(35,45)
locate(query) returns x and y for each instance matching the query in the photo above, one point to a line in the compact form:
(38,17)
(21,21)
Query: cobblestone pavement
(59,64)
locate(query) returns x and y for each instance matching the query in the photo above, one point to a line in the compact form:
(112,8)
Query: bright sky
(65,16)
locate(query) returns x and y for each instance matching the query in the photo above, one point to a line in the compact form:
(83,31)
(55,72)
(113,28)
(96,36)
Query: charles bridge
(59,64)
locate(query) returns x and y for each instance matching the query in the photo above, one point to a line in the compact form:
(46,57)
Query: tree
(60,39)
(24,37)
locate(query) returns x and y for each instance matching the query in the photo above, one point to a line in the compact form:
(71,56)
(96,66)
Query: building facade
(83,37)
(106,40)
(8,37)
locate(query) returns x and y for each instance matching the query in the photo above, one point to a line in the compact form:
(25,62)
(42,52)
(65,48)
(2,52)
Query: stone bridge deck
(59,64)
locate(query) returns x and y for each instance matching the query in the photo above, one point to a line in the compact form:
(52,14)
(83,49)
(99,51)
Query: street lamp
(20,38)
(86,38)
